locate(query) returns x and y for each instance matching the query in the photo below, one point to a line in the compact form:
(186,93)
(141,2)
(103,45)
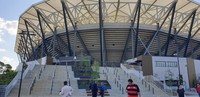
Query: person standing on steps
(94,89)
(180,91)
(198,89)
(132,89)
(102,89)
(66,90)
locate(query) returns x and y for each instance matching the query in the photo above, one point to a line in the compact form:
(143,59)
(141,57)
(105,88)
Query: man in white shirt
(66,90)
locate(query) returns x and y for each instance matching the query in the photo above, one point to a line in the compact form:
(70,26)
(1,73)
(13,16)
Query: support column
(101,34)
(75,40)
(170,28)
(43,35)
(28,34)
(189,35)
(66,29)
(137,29)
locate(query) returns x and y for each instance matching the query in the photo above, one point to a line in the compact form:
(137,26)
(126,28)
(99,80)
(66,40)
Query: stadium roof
(85,12)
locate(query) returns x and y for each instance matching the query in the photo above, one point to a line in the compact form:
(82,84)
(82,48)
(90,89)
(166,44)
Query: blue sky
(10,10)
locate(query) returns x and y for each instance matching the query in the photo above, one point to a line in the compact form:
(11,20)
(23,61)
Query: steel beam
(24,49)
(33,28)
(125,47)
(43,35)
(41,15)
(28,34)
(137,29)
(88,10)
(178,30)
(66,29)
(101,33)
(196,47)
(117,10)
(83,44)
(132,29)
(170,29)
(189,35)
(26,45)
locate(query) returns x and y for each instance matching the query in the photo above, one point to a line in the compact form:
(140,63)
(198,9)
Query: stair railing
(52,80)
(32,84)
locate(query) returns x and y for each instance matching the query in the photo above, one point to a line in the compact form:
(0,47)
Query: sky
(10,11)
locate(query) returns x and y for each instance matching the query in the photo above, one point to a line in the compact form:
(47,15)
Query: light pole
(177,55)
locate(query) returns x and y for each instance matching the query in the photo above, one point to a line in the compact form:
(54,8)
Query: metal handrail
(39,75)
(32,84)
(150,86)
(52,80)
(159,84)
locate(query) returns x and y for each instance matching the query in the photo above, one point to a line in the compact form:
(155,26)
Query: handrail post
(122,90)
(153,92)
(119,86)
(149,87)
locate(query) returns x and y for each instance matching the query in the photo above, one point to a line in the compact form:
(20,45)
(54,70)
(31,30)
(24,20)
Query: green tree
(5,79)
(169,76)
(1,63)
(8,66)
(95,72)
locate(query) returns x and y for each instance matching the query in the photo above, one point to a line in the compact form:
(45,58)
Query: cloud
(8,60)
(2,50)
(7,26)
(1,34)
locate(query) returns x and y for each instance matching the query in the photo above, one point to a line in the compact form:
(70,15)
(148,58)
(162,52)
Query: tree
(8,66)
(2,64)
(169,76)
(95,72)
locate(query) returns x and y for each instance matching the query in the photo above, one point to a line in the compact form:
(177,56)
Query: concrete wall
(162,72)
(191,71)
(146,65)
(197,67)
(2,90)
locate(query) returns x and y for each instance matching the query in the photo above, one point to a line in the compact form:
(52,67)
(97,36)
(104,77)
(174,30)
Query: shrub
(6,78)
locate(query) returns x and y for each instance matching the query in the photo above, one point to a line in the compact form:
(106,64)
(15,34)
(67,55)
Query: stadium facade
(110,31)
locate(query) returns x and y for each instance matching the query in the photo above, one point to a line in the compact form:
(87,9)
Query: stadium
(110,32)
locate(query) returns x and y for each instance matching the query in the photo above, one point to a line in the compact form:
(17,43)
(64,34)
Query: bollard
(142,82)
(130,77)
(119,86)
(124,72)
(117,83)
(153,90)
(118,77)
(122,90)
(106,77)
(149,87)
(145,83)
(127,75)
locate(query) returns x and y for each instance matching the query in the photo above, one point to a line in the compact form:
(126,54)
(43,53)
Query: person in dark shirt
(132,89)
(93,87)
(180,91)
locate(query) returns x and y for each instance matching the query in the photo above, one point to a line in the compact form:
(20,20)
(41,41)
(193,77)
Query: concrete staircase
(25,83)
(118,80)
(56,75)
